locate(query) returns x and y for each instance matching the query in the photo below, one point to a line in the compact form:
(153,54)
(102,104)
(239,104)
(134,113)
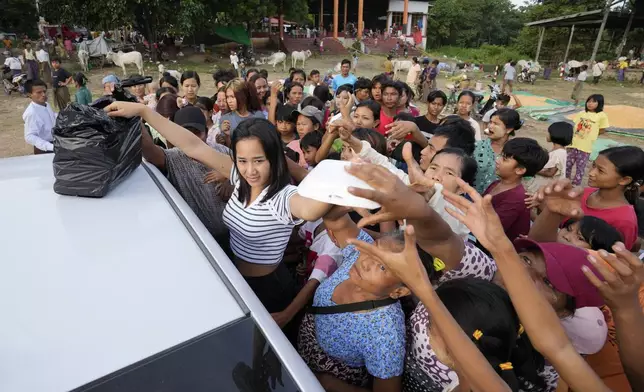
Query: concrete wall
(415,7)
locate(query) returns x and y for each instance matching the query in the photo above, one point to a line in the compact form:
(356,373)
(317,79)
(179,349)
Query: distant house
(417,13)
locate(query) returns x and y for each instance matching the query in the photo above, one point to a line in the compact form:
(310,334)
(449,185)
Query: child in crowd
(39,118)
(83,96)
(560,135)
(322,260)
(391,93)
(613,187)
(310,144)
(589,124)
(206,105)
(285,124)
(579,84)
(502,101)
(520,157)
(307,120)
(362,90)
(60,79)
(150,98)
(376,87)
(313,82)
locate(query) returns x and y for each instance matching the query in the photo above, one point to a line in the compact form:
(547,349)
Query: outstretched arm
(185,140)
(536,314)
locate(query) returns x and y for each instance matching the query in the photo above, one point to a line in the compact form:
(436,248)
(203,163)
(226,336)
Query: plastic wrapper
(93,152)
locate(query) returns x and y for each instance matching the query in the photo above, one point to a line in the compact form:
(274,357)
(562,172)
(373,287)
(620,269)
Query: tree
(19,16)
(471,23)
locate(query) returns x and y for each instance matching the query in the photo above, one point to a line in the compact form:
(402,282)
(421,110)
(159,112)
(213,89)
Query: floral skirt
(319,362)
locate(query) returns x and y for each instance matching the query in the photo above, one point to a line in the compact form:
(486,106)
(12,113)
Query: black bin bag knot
(93,152)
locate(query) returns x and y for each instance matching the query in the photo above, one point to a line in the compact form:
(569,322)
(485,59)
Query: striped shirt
(260,232)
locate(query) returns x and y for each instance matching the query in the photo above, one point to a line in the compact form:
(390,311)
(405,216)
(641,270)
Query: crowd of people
(487,267)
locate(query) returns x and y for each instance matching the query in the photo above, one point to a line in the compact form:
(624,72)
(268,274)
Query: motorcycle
(13,82)
(495,91)
(527,76)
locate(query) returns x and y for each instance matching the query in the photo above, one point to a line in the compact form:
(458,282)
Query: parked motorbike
(13,83)
(495,91)
(527,76)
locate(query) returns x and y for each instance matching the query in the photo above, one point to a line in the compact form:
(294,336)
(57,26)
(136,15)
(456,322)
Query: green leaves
(18,16)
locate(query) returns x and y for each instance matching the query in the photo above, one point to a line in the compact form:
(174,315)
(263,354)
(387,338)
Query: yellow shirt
(389,67)
(623,65)
(587,126)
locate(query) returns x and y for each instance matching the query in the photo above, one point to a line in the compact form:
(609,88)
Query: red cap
(563,268)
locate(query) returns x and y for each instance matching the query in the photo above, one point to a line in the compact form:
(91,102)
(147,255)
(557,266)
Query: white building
(417,13)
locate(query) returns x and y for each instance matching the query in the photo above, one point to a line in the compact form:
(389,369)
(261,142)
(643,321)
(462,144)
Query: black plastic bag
(92,151)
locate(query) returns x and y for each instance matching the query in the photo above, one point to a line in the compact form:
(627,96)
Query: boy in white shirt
(14,65)
(39,118)
(579,84)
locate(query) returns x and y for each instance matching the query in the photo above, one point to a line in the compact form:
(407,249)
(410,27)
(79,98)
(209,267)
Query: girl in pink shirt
(614,181)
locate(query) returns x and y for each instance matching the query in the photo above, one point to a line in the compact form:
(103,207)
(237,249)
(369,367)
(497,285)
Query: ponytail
(484,311)
(629,162)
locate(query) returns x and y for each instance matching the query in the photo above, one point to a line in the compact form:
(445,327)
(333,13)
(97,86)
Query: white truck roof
(91,286)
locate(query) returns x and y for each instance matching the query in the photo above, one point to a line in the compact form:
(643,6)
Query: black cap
(191,117)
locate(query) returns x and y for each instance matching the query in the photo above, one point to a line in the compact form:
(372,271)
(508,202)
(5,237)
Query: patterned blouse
(486,161)
(375,339)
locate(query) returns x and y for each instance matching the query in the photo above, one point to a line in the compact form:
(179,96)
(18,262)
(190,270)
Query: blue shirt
(375,339)
(340,80)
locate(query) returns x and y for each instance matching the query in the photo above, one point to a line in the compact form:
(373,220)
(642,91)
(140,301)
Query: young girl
(464,110)
(307,120)
(83,95)
(503,124)
(190,84)
(261,87)
(613,187)
(405,100)
(589,124)
(243,104)
(151,98)
(560,135)
(264,207)
(342,97)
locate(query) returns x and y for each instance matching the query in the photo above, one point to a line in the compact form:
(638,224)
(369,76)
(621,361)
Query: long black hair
(267,135)
(596,232)
(600,102)
(485,312)
(629,162)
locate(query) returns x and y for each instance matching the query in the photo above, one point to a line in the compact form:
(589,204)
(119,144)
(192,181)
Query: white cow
(401,65)
(296,56)
(172,72)
(120,59)
(83,59)
(276,58)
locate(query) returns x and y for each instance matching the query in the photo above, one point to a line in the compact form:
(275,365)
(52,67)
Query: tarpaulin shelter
(96,47)
(237,34)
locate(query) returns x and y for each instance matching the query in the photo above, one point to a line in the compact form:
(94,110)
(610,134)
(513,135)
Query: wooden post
(601,30)
(336,7)
(572,31)
(344,26)
(360,21)
(321,16)
(541,34)
(405,16)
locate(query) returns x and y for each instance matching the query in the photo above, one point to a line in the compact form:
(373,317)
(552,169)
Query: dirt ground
(11,107)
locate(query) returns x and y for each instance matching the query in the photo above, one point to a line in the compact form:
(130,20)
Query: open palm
(478,215)
(561,197)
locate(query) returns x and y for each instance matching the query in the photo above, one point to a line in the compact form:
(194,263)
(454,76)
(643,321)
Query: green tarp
(234,33)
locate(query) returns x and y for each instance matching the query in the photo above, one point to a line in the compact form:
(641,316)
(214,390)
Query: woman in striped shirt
(264,207)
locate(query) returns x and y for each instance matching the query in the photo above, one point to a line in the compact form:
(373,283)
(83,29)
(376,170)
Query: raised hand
(418,181)
(561,198)
(398,201)
(400,129)
(406,265)
(478,215)
(622,284)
